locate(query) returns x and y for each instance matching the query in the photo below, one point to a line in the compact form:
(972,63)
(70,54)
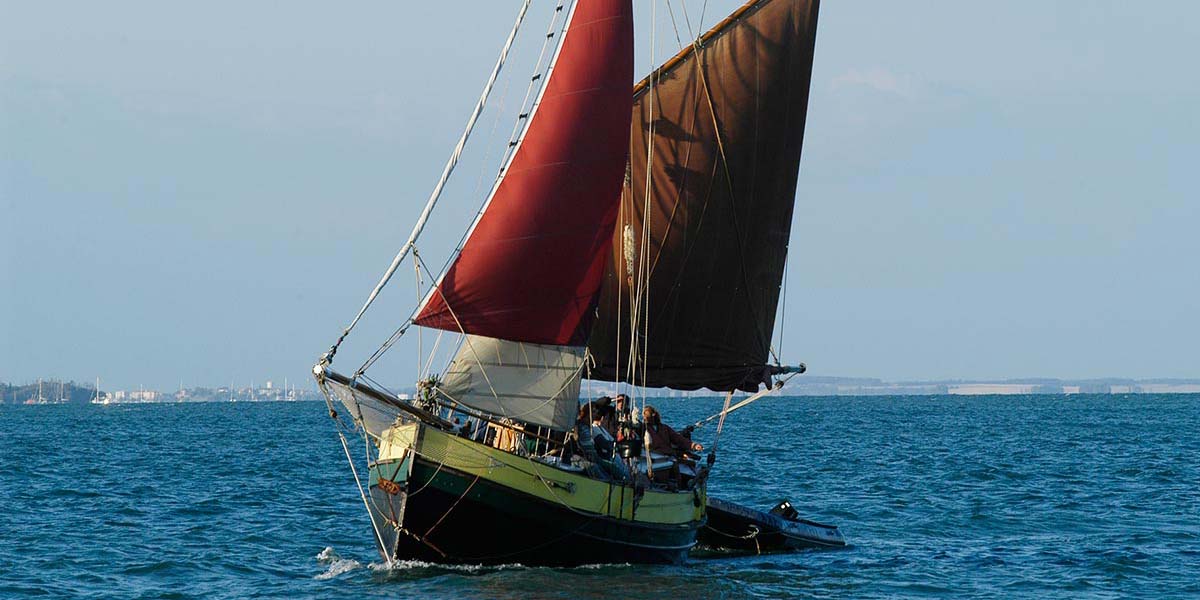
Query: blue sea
(982,497)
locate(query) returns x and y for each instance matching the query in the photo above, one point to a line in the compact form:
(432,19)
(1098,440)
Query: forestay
(531,383)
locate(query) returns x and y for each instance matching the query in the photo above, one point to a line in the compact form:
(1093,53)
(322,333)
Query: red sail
(532,264)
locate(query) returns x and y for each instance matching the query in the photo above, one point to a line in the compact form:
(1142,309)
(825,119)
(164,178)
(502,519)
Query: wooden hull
(439,498)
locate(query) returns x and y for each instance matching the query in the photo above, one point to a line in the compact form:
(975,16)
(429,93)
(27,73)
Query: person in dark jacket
(662,439)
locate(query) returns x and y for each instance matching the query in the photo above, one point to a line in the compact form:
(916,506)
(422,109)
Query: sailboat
(97,398)
(635,236)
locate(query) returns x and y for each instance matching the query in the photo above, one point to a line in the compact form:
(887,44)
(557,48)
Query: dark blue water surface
(1037,496)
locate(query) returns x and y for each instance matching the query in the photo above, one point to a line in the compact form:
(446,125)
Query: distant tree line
(71,392)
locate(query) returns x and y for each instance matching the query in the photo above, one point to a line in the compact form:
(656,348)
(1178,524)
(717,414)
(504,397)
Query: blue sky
(206,193)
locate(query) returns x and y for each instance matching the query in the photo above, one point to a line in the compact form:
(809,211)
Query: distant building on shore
(1168,388)
(991,389)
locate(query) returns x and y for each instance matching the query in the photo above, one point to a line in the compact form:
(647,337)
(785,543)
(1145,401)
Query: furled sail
(532,262)
(721,192)
(531,383)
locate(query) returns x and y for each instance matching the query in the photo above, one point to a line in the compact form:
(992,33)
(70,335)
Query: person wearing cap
(626,422)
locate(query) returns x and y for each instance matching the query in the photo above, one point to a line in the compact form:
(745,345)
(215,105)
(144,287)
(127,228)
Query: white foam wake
(336,565)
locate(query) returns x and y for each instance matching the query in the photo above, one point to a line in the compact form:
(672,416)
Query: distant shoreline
(52,391)
(846,386)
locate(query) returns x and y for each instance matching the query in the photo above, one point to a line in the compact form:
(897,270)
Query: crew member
(662,439)
(627,423)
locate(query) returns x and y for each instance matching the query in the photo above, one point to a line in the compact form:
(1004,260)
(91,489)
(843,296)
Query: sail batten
(532,262)
(723,126)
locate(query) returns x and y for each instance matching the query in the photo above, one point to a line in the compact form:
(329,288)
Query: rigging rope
(721,423)
(674,26)
(349,459)
(437,287)
(783,308)
(520,128)
(727,409)
(441,184)
(542,73)
(523,118)
(640,296)
(420,334)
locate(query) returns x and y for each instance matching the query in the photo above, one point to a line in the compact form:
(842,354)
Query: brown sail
(726,123)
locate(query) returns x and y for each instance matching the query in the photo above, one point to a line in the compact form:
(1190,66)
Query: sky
(205,193)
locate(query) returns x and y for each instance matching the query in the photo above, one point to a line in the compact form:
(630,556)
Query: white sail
(532,383)
(372,415)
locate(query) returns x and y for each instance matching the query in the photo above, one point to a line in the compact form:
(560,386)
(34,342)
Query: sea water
(986,497)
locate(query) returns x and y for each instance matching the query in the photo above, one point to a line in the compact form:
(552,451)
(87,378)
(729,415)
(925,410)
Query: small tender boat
(732,527)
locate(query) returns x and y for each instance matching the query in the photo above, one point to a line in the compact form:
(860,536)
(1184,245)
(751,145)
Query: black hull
(452,517)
